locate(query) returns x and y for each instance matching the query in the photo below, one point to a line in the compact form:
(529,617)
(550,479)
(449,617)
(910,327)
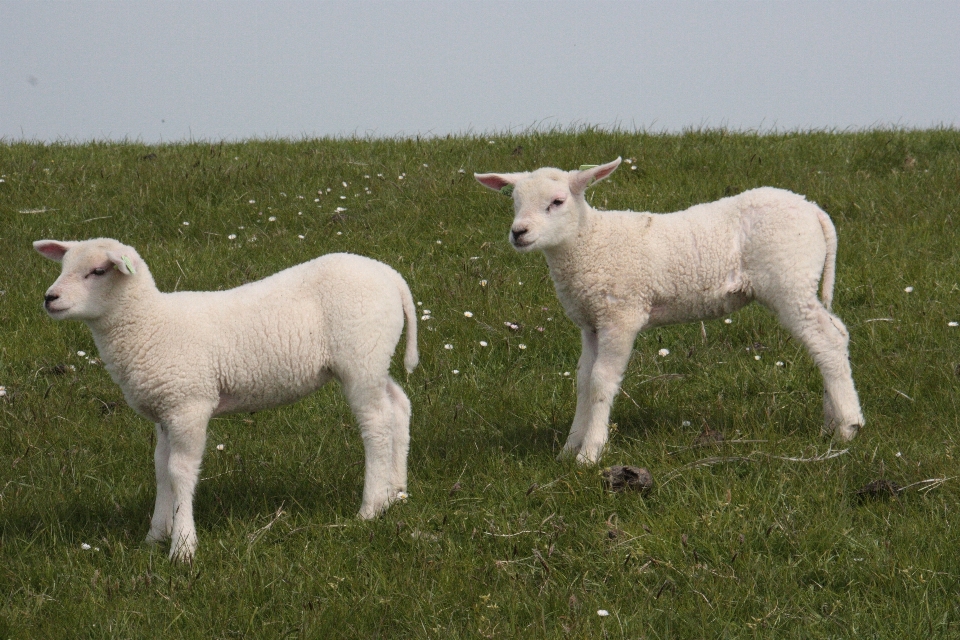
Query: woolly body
(182,358)
(617,273)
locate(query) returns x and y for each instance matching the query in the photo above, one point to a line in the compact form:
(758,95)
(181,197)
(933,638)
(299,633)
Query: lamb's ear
(502,182)
(53,249)
(122,263)
(580,180)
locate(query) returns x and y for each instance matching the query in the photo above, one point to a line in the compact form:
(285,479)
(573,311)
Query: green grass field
(497,539)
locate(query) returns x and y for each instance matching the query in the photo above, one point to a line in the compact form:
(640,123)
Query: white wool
(618,273)
(183,358)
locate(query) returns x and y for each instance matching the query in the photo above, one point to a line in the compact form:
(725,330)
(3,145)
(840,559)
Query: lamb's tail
(830,263)
(411,357)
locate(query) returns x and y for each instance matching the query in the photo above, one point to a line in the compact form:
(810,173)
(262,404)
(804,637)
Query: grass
(497,539)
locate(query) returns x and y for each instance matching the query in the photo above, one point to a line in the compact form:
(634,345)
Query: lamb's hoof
(154,539)
(589,457)
(844,433)
(847,432)
(621,478)
(182,554)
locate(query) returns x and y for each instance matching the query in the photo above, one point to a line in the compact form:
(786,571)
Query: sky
(170,71)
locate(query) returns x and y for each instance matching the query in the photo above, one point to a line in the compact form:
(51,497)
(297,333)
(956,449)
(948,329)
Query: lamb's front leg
(614,346)
(162,522)
(584,369)
(187,436)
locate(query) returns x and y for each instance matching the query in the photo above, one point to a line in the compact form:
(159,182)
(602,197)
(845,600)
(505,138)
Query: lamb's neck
(577,252)
(133,311)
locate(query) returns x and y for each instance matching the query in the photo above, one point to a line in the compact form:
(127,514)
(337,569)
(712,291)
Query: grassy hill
(763,535)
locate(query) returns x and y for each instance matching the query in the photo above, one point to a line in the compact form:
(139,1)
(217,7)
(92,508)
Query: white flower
(399,177)
(603,613)
(241,228)
(566,374)
(232,236)
(419,304)
(456,371)
(439,241)
(899,454)
(728,321)
(483,283)
(301,237)
(345,184)
(220,447)
(491,142)
(252,201)
(779,363)
(339,210)
(448,346)
(339,233)
(186,224)
(483,343)
(468,314)
(633,167)
(664,353)
(299,213)
(685,423)
(272,218)
(425,165)
(909,289)
(3,391)
(757,357)
(366,177)
(521,346)
(424,317)
(461,171)
(85,546)
(316,199)
(343,197)
(81,353)
(427,311)
(952,324)
(402,495)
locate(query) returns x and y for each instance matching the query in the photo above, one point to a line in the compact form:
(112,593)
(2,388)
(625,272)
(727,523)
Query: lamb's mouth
(520,244)
(51,311)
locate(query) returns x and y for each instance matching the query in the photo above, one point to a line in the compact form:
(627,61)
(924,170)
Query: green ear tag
(507,190)
(584,167)
(129,265)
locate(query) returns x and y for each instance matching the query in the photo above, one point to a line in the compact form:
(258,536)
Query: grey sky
(167,71)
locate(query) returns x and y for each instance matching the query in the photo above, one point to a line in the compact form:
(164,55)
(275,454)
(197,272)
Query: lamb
(182,358)
(617,273)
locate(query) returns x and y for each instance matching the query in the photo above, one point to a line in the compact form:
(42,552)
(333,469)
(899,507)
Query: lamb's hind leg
(401,434)
(827,340)
(375,412)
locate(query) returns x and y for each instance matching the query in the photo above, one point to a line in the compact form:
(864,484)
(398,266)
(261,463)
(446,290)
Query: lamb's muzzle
(618,272)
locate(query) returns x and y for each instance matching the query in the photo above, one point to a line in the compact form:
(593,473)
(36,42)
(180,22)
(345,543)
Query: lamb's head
(93,275)
(548,203)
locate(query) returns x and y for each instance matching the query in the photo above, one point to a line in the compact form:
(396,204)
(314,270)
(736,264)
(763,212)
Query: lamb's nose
(518,233)
(47,299)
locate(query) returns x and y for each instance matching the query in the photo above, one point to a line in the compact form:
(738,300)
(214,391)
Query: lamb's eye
(557,202)
(99,271)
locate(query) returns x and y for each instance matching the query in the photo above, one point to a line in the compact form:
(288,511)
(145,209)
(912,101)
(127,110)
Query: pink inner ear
(51,249)
(491,180)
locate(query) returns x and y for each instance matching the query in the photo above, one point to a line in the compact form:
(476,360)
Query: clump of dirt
(624,478)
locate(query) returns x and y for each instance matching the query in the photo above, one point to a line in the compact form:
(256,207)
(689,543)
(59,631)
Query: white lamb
(182,358)
(617,273)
